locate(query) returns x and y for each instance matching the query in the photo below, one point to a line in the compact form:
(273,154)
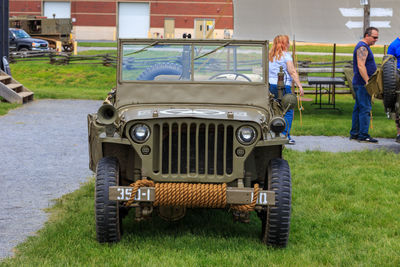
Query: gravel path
(44,156)
(341,144)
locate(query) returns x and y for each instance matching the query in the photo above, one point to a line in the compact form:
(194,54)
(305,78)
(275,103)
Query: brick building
(99,20)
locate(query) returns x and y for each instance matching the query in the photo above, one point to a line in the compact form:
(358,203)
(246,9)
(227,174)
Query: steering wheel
(219,76)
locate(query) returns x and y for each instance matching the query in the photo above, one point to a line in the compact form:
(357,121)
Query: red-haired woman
(280,57)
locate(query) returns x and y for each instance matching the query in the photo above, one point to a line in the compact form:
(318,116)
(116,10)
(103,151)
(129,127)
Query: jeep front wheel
(108,219)
(276,219)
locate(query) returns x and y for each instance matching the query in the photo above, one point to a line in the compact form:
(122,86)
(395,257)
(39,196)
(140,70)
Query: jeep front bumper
(234,195)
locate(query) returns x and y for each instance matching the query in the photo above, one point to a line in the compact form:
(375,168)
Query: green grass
(344,214)
(339,49)
(98,52)
(76,81)
(323,59)
(5,107)
(97,44)
(330,122)
(329,59)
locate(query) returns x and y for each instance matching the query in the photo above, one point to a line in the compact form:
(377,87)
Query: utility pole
(367,13)
(4,8)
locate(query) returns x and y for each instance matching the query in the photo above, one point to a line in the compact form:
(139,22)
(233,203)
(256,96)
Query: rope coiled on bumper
(190,195)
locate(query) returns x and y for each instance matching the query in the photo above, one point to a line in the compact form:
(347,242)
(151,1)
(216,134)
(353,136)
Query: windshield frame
(264,45)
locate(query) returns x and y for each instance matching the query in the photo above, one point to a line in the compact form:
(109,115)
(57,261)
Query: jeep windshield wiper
(143,49)
(213,51)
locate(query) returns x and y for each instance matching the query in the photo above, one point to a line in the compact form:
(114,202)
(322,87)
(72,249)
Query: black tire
(108,219)
(152,72)
(276,219)
(389,83)
(23,51)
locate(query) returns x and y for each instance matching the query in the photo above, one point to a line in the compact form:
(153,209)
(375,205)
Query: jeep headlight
(140,133)
(35,44)
(246,135)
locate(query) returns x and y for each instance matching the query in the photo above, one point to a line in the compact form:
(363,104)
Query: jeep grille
(193,148)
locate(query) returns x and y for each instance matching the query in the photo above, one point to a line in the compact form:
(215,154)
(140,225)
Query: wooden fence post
(333,72)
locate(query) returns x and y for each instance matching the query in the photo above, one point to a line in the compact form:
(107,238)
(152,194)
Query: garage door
(133,20)
(60,9)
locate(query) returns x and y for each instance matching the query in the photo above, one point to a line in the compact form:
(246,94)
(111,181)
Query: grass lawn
(344,214)
(75,81)
(97,44)
(5,107)
(329,122)
(339,49)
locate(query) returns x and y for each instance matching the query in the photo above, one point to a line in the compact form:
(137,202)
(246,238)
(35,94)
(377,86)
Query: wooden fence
(61,58)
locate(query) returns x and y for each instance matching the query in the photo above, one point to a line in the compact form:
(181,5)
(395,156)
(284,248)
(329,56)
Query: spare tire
(389,82)
(152,72)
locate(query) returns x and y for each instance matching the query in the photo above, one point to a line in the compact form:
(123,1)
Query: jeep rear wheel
(276,219)
(108,219)
(389,77)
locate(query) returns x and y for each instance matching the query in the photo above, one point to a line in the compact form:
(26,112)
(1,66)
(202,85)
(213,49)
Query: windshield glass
(192,62)
(20,34)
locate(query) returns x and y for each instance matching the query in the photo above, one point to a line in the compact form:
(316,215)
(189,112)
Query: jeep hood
(207,93)
(240,113)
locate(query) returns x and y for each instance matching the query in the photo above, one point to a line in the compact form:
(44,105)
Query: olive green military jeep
(191,124)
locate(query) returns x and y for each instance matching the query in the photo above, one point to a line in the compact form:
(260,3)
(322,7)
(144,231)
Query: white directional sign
(359,24)
(380,24)
(354,24)
(359,12)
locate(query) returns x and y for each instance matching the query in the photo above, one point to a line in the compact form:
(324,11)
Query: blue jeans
(290,113)
(361,113)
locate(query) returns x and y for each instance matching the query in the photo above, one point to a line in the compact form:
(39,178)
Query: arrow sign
(380,24)
(354,24)
(359,24)
(359,12)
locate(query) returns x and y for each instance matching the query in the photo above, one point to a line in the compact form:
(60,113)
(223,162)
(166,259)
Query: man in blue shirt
(394,49)
(363,66)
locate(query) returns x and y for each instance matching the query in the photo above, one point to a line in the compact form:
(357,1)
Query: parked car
(19,40)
